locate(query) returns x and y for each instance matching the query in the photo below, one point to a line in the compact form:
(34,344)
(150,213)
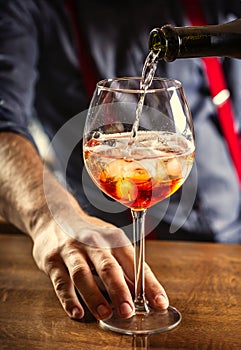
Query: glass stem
(139,260)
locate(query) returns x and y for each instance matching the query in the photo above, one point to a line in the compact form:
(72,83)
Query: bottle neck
(203,41)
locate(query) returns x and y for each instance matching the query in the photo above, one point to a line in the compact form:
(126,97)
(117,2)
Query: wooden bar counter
(203,281)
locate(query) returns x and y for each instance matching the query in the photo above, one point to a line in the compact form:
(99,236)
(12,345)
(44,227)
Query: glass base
(156,321)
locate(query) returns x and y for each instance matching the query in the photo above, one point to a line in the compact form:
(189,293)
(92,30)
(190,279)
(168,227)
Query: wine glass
(138,149)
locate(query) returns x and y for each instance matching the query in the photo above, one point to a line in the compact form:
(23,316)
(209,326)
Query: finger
(112,276)
(125,257)
(84,281)
(155,293)
(65,291)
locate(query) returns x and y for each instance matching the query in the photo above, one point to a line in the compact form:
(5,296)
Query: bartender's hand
(70,263)
(43,209)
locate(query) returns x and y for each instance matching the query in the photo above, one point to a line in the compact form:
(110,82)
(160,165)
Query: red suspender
(218,91)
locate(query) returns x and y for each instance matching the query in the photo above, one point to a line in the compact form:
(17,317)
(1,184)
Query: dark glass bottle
(184,42)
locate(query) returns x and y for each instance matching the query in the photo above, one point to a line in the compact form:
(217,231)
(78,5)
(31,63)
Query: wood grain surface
(203,281)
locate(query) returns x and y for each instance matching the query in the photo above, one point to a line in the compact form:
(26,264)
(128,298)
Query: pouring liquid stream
(148,73)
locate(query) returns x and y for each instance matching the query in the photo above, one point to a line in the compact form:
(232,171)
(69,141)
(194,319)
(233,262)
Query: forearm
(22,193)
(21,189)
